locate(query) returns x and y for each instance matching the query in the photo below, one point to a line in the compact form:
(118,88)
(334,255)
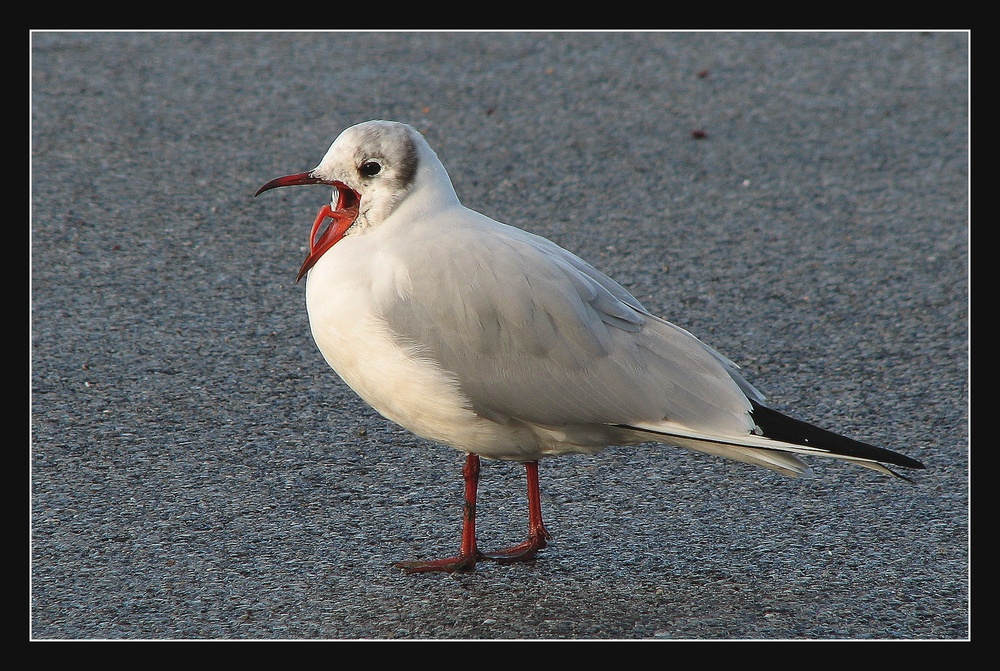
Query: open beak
(325,234)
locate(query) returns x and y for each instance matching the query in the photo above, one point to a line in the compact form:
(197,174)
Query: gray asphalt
(798,201)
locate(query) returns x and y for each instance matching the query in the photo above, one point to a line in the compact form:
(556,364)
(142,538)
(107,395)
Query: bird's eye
(370,168)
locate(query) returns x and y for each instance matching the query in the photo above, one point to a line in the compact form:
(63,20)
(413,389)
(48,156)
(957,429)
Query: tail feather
(780,438)
(787,429)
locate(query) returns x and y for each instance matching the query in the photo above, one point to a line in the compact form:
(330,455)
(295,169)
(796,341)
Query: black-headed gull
(499,343)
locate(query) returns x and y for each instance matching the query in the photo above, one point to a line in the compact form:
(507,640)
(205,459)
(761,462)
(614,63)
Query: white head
(374,167)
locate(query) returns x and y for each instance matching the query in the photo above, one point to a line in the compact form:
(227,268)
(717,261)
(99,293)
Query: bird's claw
(525,551)
(459,564)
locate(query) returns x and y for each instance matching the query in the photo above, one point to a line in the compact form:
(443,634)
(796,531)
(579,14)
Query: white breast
(344,292)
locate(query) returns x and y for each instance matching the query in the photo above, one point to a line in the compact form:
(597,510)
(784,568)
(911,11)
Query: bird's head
(372,168)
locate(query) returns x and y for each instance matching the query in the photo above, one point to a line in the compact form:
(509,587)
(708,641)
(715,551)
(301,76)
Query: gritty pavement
(797,200)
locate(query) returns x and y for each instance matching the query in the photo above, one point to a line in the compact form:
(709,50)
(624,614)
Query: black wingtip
(781,427)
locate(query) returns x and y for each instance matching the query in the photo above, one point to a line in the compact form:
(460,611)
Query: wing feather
(532,333)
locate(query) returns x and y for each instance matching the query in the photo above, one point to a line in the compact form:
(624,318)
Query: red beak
(322,238)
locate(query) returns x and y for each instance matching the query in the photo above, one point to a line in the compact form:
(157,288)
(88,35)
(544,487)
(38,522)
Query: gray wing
(533,333)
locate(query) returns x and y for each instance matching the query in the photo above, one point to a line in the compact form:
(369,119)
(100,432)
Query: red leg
(468,554)
(537,535)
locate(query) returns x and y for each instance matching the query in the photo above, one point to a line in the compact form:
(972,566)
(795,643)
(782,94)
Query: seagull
(501,344)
